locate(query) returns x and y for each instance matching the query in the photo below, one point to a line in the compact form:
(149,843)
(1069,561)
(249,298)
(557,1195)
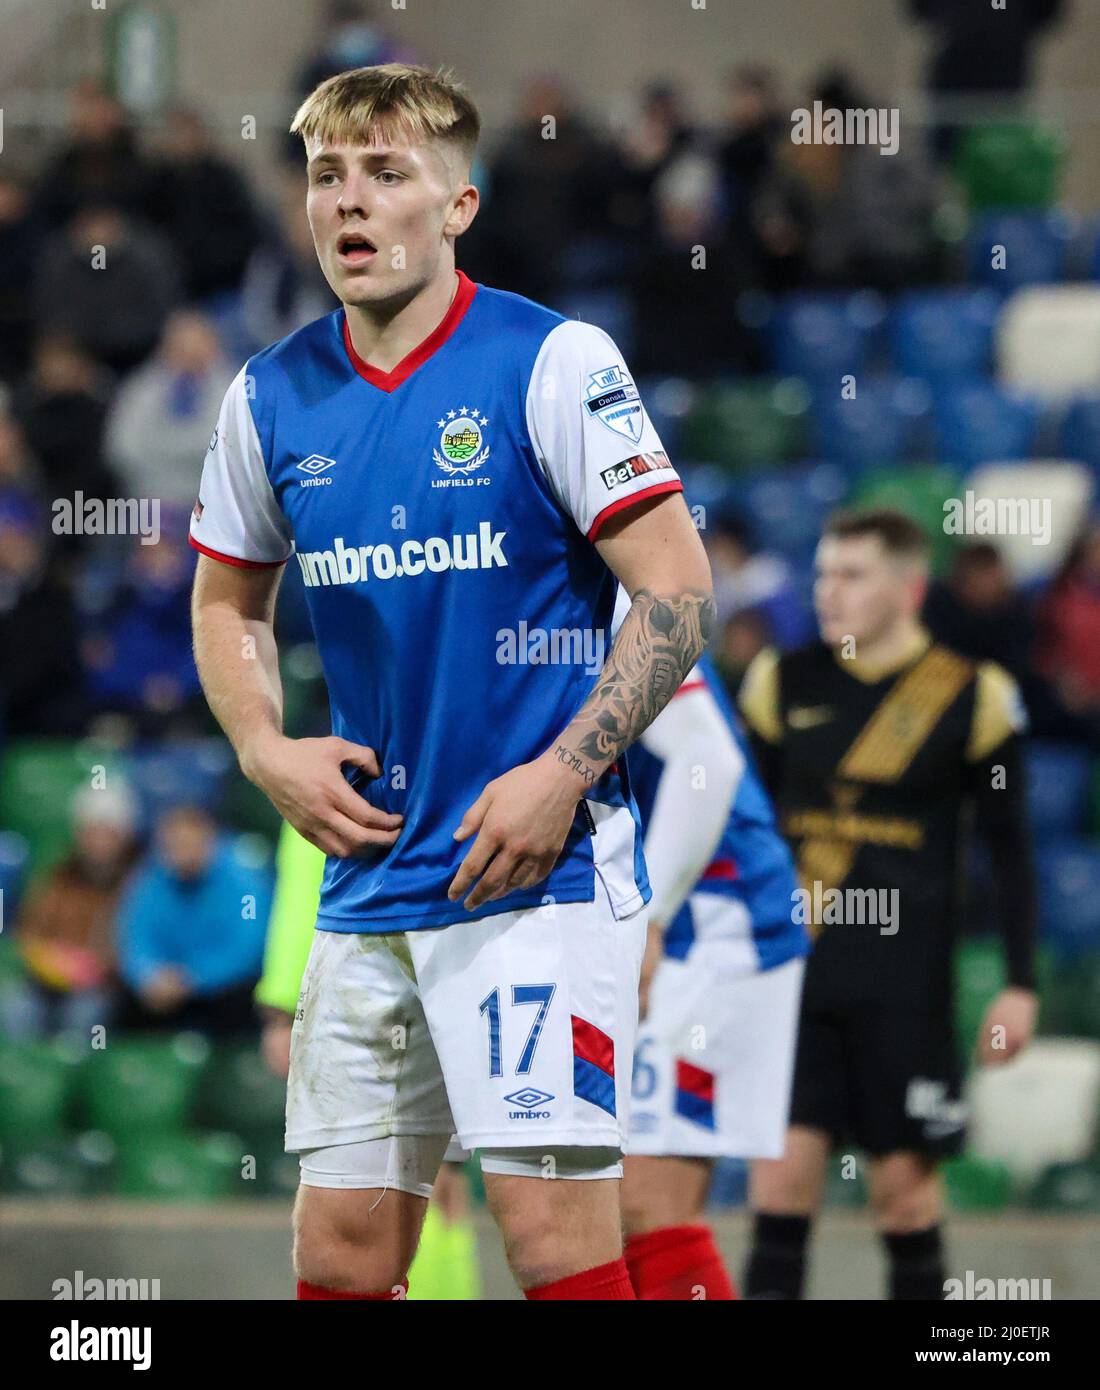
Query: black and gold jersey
(872,772)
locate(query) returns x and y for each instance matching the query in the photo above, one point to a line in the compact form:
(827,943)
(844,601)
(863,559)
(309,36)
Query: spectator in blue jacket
(191,931)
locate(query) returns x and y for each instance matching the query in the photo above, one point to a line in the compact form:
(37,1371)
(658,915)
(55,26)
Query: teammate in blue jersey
(721,984)
(463,477)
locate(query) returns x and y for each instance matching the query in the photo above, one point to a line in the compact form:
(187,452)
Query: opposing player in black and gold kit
(879,748)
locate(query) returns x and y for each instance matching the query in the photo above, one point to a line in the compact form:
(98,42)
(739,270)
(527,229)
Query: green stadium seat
(276,1172)
(846,1192)
(75,1167)
(37,780)
(240,1092)
(744,426)
(37,1082)
(11,963)
(977,1184)
(1067,1187)
(1071,1000)
(920,492)
(1009,165)
(979,975)
(303,689)
(180,1167)
(143,1086)
(245,807)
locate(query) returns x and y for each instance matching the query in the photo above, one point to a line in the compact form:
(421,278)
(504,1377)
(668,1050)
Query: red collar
(387,381)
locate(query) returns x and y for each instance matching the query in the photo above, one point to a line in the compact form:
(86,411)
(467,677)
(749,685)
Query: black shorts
(883,1077)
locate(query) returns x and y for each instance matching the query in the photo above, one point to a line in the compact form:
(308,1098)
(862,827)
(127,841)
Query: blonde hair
(392,98)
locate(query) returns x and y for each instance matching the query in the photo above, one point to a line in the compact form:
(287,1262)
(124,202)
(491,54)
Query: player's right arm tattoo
(660,640)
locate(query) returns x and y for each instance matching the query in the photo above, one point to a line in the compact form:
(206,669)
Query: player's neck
(877,657)
(383,335)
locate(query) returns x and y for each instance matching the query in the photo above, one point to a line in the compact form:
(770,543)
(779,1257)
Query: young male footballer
(448,464)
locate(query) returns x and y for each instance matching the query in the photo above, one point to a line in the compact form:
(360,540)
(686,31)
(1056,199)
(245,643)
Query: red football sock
(678,1262)
(308,1291)
(591,1285)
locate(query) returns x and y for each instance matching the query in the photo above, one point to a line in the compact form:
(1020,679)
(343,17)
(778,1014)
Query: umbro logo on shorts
(355,564)
(527,1100)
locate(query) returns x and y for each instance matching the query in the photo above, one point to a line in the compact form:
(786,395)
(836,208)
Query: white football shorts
(715,1053)
(512,1031)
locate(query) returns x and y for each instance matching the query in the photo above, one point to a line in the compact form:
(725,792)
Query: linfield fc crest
(613,398)
(462,447)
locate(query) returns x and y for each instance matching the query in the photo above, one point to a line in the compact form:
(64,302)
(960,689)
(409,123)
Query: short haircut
(902,538)
(392,98)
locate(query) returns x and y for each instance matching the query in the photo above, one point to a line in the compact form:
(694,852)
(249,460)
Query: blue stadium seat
(882,425)
(825,335)
(1079,436)
(1035,246)
(1068,873)
(15,854)
(787,508)
(981,423)
(944,335)
(1059,784)
(164,775)
(667,399)
(607,309)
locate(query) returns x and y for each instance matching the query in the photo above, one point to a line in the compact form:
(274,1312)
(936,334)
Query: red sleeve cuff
(235,560)
(613,508)
(698,684)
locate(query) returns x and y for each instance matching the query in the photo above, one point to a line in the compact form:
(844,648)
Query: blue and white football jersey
(752,864)
(442,515)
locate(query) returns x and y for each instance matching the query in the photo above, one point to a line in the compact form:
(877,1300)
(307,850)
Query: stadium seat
(977,1184)
(81,1166)
(1059,786)
(919,492)
(1068,875)
(786,508)
(1035,538)
(1040,1108)
(841,1191)
(609,309)
(37,1082)
(729,1184)
(15,855)
(944,335)
(181,1167)
(1079,436)
(1066,1187)
(142,1085)
(1071,999)
(1008,250)
(826,335)
(276,1172)
(1009,165)
(978,422)
(879,427)
(164,775)
(239,1091)
(979,976)
(37,780)
(667,400)
(746,424)
(1048,341)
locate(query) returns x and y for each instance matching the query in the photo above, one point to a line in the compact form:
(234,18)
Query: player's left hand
(1008,1026)
(521,821)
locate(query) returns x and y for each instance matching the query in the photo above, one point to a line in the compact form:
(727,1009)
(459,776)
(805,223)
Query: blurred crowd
(138,269)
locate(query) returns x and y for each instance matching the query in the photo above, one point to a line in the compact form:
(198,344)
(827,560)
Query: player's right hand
(303,779)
